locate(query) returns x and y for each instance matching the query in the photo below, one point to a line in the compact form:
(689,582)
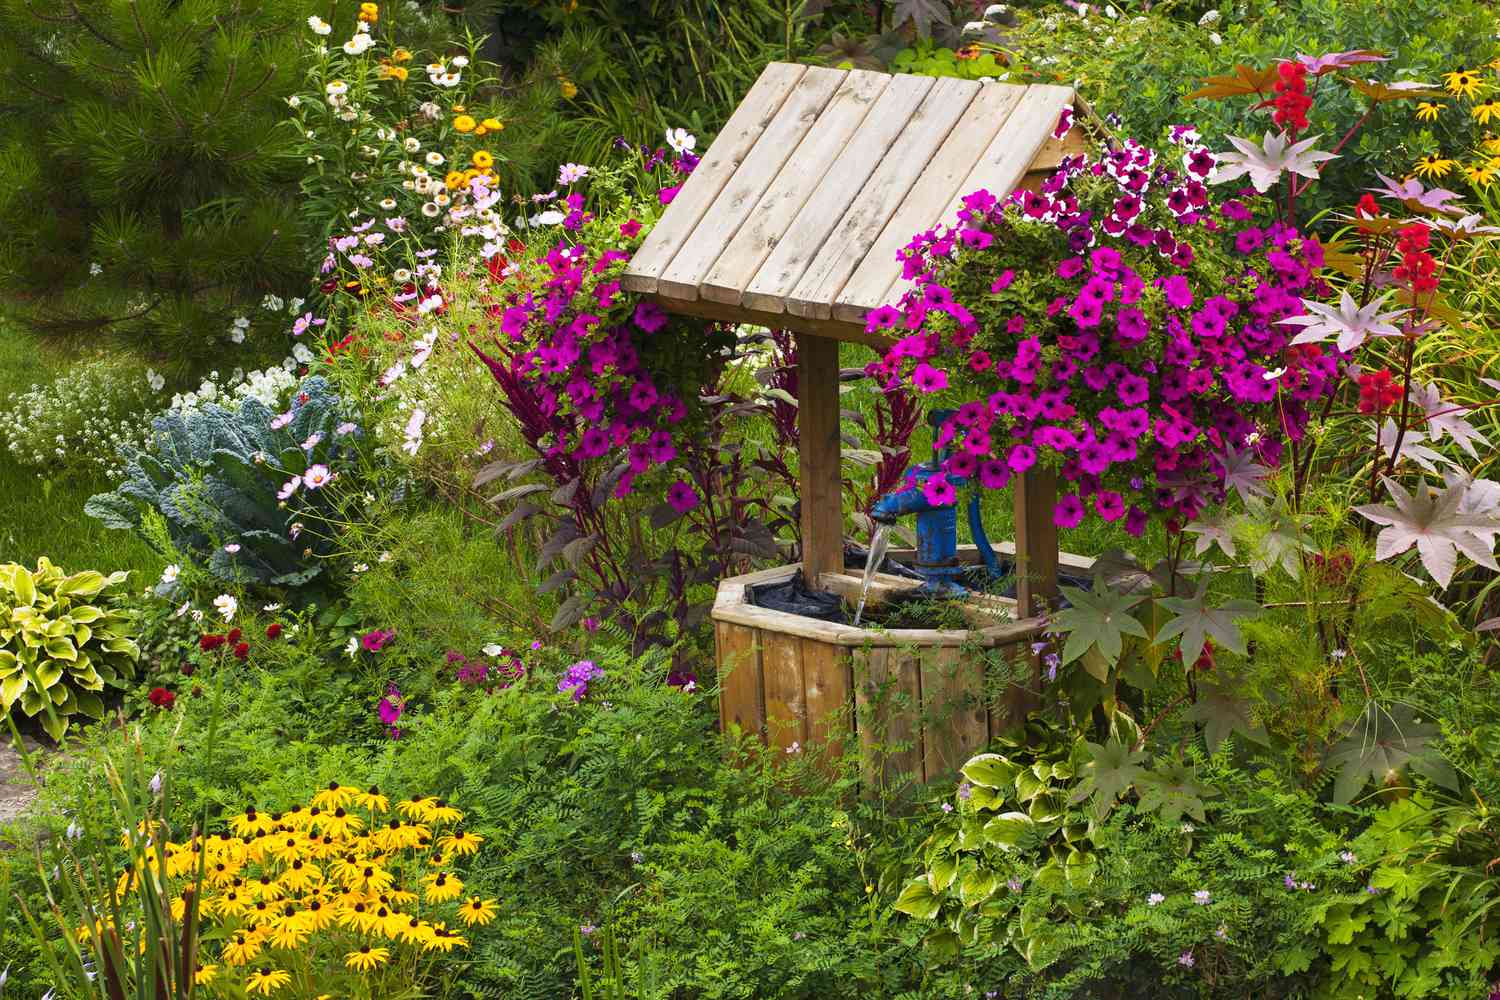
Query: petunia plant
(1118,326)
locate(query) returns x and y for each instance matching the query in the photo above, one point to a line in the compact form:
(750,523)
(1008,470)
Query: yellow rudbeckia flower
(367,958)
(1463,82)
(1484,111)
(477,911)
(266,981)
(1428,111)
(1433,165)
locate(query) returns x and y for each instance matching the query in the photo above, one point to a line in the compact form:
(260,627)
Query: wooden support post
(818,452)
(1036,539)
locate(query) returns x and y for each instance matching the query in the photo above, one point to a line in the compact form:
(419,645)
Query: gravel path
(16,789)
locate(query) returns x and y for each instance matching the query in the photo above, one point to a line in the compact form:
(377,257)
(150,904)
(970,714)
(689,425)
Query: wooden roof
(794,216)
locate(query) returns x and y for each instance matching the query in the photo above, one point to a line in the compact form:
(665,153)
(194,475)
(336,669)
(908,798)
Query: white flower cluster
(85,421)
(269,386)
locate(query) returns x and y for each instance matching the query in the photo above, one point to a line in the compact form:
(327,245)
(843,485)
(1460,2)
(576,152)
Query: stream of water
(879,542)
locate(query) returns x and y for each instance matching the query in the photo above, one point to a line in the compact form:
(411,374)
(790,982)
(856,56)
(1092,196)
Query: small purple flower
(1185,960)
(965,791)
(575,680)
(1202,897)
(1155,899)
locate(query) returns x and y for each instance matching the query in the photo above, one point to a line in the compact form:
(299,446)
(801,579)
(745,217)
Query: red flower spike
(242,651)
(273,630)
(161,698)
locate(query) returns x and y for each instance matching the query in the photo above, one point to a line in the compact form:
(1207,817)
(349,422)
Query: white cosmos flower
(155,381)
(460,61)
(681,140)
(226,606)
(318,25)
(571,173)
(169,575)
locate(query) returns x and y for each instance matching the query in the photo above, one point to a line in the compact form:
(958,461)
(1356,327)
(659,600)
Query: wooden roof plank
(881,196)
(718,164)
(799,114)
(982,121)
(769,220)
(1004,164)
(812,225)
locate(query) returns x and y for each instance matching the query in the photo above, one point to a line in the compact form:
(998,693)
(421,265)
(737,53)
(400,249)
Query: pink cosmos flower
(288,488)
(316,477)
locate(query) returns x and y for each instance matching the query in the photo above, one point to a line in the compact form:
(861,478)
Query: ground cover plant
(384,666)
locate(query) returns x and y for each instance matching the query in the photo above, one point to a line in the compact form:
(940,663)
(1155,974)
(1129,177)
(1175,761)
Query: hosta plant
(63,638)
(247,493)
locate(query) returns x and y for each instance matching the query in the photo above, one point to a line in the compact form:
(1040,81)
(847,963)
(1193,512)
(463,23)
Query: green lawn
(45,516)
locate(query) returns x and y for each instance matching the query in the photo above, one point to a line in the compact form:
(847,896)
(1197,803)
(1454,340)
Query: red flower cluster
(241,650)
(1418,268)
(1333,568)
(161,697)
(1377,391)
(273,631)
(1291,101)
(1366,209)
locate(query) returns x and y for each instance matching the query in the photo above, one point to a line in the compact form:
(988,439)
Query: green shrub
(63,639)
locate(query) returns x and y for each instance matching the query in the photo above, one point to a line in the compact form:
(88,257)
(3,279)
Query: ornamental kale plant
(248,494)
(1118,326)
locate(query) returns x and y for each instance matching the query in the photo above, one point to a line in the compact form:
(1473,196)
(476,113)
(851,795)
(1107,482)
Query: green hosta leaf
(940,873)
(62,649)
(90,704)
(10,689)
(84,584)
(22,586)
(1379,744)
(1221,710)
(1099,619)
(1010,831)
(976,887)
(990,770)
(1173,791)
(1196,620)
(85,614)
(48,673)
(918,899)
(56,724)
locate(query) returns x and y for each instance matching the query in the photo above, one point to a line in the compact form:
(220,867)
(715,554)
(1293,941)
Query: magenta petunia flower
(374,641)
(939,491)
(630,229)
(682,497)
(993,474)
(1068,512)
(1021,458)
(1110,505)
(1003,282)
(929,379)
(649,317)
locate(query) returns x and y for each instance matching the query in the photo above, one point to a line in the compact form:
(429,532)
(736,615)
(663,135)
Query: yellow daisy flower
(464,123)
(241,949)
(569,88)
(1463,82)
(401,55)
(1486,110)
(340,823)
(483,159)
(335,795)
(474,911)
(266,981)
(1481,174)
(367,958)
(1428,112)
(417,808)
(493,124)
(369,13)
(442,887)
(454,180)
(373,800)
(1433,165)
(442,939)
(205,974)
(460,843)
(250,824)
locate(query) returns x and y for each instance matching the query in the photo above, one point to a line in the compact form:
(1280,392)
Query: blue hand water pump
(937,559)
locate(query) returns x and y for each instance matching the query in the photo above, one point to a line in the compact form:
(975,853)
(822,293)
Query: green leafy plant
(63,639)
(247,493)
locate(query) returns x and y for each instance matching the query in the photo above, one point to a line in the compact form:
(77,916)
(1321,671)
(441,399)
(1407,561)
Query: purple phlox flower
(575,680)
